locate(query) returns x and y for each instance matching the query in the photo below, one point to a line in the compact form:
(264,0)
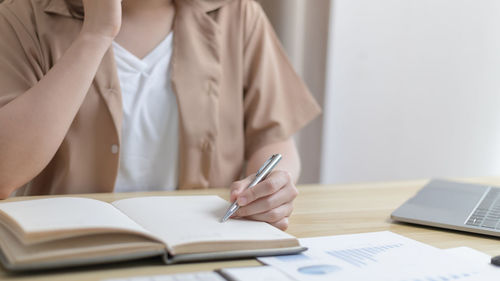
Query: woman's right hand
(103,18)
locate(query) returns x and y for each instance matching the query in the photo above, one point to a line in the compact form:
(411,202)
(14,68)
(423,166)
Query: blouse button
(114,149)
(211,89)
(206,146)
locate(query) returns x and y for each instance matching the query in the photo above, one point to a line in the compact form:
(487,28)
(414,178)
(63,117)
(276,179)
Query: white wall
(413,90)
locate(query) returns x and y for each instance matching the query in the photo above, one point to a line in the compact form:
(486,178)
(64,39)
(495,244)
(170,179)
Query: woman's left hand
(270,201)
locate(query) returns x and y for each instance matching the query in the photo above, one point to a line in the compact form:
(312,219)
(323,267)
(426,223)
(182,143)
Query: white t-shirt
(149,142)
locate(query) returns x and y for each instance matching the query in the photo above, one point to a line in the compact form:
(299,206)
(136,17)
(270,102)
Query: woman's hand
(270,200)
(103,18)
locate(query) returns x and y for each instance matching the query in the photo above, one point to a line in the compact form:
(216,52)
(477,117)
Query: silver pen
(261,174)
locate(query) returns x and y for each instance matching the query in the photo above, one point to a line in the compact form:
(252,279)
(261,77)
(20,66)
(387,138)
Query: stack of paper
(383,256)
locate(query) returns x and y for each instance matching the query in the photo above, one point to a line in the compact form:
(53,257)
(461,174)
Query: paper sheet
(383,256)
(254,273)
(478,258)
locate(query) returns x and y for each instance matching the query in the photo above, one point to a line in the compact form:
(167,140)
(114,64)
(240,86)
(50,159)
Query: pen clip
(265,164)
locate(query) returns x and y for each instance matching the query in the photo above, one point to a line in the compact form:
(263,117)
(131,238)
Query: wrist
(93,40)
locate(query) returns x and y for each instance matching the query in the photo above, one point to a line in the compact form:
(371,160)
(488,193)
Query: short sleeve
(19,66)
(277,103)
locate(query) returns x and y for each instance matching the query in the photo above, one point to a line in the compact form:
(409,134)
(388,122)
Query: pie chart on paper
(320,269)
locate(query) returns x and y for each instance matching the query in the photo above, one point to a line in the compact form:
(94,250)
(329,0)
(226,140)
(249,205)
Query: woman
(102,96)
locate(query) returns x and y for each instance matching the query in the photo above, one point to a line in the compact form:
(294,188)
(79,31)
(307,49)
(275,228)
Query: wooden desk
(319,210)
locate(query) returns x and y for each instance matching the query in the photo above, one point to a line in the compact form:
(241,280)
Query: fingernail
(242,201)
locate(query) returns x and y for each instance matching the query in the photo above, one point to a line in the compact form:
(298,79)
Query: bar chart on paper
(371,256)
(362,256)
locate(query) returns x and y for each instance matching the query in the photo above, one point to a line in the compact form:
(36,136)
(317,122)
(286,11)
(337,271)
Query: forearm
(290,161)
(34,124)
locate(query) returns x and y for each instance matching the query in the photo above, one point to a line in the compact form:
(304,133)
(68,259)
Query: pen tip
(225,218)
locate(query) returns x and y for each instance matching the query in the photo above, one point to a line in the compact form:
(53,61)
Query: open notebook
(69,231)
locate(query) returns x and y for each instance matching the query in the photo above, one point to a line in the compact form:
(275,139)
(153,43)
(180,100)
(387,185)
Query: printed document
(383,256)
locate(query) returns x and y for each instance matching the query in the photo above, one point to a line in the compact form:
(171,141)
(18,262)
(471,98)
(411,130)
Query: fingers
(239,186)
(264,204)
(282,224)
(277,216)
(102,18)
(274,182)
(269,201)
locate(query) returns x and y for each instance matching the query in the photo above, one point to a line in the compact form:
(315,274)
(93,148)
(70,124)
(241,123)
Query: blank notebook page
(184,219)
(67,213)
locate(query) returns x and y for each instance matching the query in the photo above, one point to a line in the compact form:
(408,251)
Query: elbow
(4,193)
(6,190)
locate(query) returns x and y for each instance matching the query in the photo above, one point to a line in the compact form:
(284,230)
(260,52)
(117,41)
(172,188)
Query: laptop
(459,206)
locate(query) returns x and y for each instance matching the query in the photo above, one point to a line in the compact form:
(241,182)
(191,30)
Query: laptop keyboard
(487,213)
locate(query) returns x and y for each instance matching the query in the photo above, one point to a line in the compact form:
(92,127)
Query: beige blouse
(235,88)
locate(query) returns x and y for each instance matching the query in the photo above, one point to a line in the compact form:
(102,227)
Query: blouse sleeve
(19,65)
(277,103)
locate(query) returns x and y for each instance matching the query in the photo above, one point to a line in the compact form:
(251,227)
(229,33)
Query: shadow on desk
(444,230)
